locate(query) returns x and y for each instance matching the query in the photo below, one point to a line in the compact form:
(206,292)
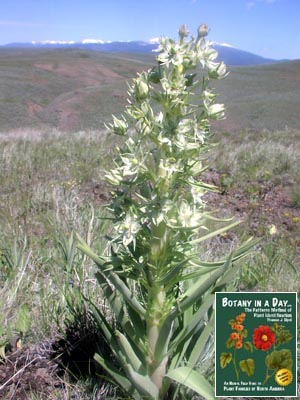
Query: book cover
(256,344)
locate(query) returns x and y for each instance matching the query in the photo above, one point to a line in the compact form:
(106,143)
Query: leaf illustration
(248,366)
(248,346)
(244,333)
(230,343)
(283,336)
(225,359)
(279,359)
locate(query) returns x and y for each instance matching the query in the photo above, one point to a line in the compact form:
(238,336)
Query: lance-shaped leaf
(143,384)
(119,377)
(193,331)
(190,326)
(130,355)
(113,278)
(214,233)
(199,288)
(127,294)
(108,332)
(227,277)
(81,245)
(133,326)
(193,380)
(162,344)
(200,343)
(116,305)
(175,272)
(242,251)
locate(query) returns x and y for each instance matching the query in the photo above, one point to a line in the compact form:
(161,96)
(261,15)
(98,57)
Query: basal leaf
(193,380)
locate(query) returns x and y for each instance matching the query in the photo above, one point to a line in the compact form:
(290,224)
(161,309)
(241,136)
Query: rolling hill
(74,89)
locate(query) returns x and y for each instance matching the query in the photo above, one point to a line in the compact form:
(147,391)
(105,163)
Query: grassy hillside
(67,89)
(262,97)
(78,90)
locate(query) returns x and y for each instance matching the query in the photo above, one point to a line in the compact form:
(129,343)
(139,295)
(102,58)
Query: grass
(260,156)
(46,192)
(262,97)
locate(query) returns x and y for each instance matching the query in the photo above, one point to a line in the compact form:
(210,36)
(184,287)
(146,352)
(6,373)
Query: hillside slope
(73,90)
(66,89)
(262,97)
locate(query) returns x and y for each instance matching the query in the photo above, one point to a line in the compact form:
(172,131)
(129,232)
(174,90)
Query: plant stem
(235,366)
(156,367)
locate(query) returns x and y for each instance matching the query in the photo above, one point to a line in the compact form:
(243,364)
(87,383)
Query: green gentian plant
(159,290)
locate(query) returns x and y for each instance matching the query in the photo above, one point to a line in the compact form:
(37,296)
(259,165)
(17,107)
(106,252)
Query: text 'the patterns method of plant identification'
(159,290)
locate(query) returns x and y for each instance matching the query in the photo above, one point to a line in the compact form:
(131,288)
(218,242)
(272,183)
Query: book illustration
(257,351)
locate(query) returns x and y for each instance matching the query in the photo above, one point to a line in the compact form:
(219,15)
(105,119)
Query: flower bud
(141,89)
(217,70)
(202,30)
(215,111)
(183,31)
(119,126)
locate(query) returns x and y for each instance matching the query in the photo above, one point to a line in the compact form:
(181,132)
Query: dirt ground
(28,370)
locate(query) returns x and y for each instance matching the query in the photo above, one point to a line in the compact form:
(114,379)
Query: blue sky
(266,27)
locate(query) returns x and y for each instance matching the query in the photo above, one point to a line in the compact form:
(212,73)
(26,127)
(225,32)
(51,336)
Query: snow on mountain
(94,41)
(227,53)
(154,40)
(223,44)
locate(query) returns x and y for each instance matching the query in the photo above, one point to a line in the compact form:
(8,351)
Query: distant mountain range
(228,54)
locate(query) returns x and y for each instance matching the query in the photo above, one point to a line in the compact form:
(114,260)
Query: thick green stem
(156,365)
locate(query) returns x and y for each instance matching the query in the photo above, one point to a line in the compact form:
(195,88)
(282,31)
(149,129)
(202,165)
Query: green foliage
(248,346)
(23,320)
(225,359)
(247,366)
(279,359)
(157,287)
